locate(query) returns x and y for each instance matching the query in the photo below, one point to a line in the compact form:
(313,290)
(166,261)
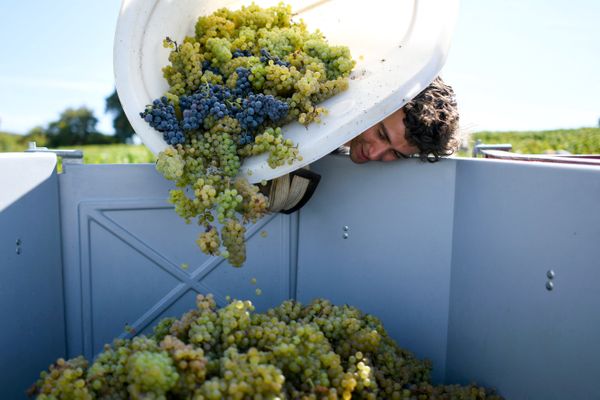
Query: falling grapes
(232,85)
(293,351)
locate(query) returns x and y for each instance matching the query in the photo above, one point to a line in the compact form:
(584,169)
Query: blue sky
(515,65)
(527,64)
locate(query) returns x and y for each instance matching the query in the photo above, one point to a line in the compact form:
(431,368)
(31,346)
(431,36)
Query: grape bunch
(293,351)
(161,116)
(232,86)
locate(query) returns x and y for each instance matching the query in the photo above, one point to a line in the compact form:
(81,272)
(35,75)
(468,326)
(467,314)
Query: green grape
(64,380)
(219,50)
(228,201)
(254,204)
(247,62)
(244,39)
(190,363)
(280,80)
(213,26)
(150,374)
(209,77)
(280,150)
(170,164)
(234,241)
(209,241)
(185,71)
(316,351)
(163,328)
(184,206)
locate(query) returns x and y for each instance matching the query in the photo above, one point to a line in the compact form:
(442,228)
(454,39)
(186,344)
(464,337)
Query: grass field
(576,141)
(92,154)
(115,154)
(11,142)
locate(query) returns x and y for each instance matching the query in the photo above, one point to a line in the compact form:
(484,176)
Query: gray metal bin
(456,258)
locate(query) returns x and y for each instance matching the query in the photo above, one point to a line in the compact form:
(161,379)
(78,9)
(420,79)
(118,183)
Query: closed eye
(400,155)
(382,135)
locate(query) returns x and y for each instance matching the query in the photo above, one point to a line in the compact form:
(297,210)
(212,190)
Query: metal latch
(480,148)
(68,156)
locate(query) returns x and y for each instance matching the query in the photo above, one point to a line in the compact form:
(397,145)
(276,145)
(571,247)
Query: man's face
(384,141)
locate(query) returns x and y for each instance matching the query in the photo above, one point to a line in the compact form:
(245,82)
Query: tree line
(78,126)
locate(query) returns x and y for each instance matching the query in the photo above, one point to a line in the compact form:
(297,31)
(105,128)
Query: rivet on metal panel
(18,242)
(549,285)
(345,236)
(550,274)
(346,228)
(18,250)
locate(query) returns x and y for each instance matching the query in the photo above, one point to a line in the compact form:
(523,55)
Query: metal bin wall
(454,257)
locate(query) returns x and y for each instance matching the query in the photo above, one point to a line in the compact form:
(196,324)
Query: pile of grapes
(317,351)
(232,86)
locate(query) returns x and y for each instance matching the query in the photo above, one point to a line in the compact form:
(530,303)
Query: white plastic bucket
(400,47)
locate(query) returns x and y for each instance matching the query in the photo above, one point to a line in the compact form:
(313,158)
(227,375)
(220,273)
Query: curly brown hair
(431,121)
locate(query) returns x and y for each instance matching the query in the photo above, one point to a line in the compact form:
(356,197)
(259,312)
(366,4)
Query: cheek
(358,140)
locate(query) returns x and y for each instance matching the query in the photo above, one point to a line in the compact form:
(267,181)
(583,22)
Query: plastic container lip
(399,46)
